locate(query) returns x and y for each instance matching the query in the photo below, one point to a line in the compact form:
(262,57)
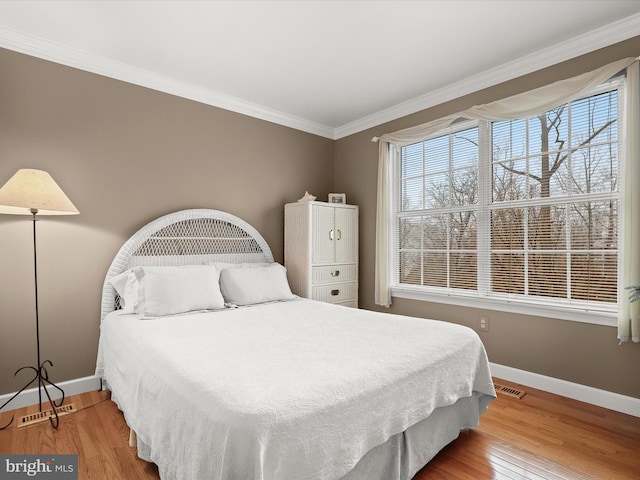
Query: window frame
(587,312)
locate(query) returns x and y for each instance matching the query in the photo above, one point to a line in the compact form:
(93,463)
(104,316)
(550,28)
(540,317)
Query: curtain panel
(526,105)
(629,316)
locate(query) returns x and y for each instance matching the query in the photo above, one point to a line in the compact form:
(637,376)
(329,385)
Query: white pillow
(172,290)
(259,284)
(126,284)
(222,265)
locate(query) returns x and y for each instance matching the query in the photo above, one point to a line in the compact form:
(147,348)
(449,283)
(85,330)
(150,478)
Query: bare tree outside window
(550,217)
(562,247)
(440,184)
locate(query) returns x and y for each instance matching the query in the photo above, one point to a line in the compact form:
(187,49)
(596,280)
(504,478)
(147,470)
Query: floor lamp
(34,192)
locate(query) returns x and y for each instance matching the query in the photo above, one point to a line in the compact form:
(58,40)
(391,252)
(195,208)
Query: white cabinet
(321,251)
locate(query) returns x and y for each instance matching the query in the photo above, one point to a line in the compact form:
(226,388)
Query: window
(518,213)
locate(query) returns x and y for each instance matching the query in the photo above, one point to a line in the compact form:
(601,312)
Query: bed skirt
(404,454)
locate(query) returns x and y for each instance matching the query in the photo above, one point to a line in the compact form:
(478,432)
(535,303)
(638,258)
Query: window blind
(544,191)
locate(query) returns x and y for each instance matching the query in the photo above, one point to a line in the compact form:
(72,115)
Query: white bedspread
(297,390)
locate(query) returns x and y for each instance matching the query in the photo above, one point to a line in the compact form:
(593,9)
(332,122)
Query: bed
(222,373)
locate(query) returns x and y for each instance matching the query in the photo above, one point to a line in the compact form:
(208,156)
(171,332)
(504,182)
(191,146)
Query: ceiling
(331,68)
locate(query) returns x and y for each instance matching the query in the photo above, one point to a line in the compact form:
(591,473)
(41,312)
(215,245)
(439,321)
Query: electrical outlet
(483,323)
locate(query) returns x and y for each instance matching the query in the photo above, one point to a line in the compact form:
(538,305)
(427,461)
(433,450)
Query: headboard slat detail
(187,237)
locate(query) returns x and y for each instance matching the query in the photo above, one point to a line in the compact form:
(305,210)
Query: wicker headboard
(186,237)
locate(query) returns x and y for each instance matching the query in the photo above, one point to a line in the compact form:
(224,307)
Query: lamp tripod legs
(42,377)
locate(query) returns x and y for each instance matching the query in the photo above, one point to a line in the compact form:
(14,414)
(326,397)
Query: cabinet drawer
(337,292)
(333,273)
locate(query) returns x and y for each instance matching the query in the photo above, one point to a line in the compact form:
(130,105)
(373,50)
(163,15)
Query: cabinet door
(323,234)
(346,235)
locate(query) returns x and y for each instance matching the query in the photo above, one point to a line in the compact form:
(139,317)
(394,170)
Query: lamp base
(42,377)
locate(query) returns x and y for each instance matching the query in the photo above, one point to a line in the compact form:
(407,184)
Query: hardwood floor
(542,436)
(97,432)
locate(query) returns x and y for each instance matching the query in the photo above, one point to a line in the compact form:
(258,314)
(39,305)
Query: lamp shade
(30,190)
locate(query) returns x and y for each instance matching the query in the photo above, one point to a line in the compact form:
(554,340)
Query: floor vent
(44,415)
(510,392)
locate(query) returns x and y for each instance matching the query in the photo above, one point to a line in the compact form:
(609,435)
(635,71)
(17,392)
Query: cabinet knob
(339,234)
(331,234)
(335,273)
(335,292)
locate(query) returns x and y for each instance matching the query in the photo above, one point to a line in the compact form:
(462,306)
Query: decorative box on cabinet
(321,251)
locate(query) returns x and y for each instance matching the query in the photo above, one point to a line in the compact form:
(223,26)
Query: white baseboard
(583,393)
(594,396)
(70,387)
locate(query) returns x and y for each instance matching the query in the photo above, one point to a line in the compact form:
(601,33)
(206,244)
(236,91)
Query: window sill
(572,313)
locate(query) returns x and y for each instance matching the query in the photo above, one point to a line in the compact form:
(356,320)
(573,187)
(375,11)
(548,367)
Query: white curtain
(383,213)
(629,317)
(524,105)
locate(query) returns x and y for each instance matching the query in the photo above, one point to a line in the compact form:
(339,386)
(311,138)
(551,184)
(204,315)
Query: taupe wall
(573,351)
(124,155)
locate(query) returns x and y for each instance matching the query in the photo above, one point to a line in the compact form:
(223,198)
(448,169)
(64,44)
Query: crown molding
(83,60)
(580,45)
